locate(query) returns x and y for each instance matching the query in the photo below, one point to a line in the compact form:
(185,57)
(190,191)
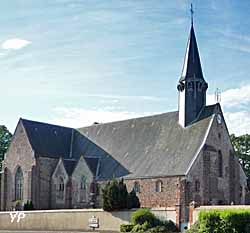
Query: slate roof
(69,166)
(143,147)
(192,64)
(148,146)
(92,164)
(48,140)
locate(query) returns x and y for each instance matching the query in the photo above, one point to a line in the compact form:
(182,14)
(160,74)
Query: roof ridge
(136,118)
(45,123)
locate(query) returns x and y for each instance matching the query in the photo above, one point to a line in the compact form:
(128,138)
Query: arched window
(83,182)
(190,86)
(19,184)
(83,189)
(137,187)
(220,164)
(197,186)
(200,85)
(61,188)
(158,186)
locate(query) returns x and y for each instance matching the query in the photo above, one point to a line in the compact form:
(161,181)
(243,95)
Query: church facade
(170,159)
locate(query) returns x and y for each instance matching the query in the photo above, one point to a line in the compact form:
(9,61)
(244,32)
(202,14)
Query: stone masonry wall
(224,189)
(46,167)
(19,154)
(206,184)
(80,196)
(58,201)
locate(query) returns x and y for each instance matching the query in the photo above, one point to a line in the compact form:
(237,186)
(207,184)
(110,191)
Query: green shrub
(141,228)
(247,227)
(170,226)
(126,227)
(138,228)
(194,228)
(141,216)
(18,205)
(210,222)
(145,219)
(158,229)
(237,219)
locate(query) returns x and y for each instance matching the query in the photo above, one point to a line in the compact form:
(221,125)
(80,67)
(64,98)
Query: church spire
(192,65)
(192,86)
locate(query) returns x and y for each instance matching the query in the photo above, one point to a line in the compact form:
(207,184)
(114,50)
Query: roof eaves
(152,177)
(98,168)
(201,146)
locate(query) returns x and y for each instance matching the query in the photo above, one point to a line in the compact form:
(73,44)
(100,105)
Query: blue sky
(73,62)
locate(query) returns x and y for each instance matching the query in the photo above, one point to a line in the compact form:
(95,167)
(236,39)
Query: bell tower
(191,86)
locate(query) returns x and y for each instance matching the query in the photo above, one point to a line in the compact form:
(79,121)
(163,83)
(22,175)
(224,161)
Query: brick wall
(169,197)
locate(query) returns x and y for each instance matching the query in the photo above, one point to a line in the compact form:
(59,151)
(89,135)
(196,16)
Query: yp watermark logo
(18,215)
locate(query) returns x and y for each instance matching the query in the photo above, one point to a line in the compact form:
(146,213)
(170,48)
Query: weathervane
(192,13)
(217,95)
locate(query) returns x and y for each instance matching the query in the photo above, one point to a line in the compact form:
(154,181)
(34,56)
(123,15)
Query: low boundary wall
(73,220)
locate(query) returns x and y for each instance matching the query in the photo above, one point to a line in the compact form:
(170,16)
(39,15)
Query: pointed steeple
(191,86)
(192,64)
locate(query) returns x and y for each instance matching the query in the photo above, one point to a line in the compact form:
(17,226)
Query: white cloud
(79,117)
(237,97)
(126,97)
(236,106)
(15,43)
(238,122)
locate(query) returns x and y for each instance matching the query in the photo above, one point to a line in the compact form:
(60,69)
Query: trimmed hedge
(223,221)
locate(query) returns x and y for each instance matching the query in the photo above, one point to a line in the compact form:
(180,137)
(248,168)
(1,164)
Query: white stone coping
(85,210)
(56,211)
(163,209)
(222,207)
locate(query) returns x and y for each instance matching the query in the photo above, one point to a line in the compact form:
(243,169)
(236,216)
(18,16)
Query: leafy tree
(116,197)
(5,138)
(242,149)
(107,205)
(28,206)
(111,196)
(133,200)
(122,195)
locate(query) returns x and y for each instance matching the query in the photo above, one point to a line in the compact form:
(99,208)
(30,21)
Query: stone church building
(170,159)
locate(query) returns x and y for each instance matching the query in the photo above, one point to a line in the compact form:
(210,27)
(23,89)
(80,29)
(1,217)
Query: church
(170,159)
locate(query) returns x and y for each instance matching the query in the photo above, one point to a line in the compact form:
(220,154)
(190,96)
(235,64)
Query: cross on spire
(192,13)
